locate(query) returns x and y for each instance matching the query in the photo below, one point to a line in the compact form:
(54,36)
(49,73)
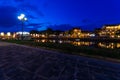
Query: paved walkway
(26,63)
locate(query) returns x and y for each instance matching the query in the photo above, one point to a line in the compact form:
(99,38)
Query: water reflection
(53,41)
(109,45)
(42,40)
(83,43)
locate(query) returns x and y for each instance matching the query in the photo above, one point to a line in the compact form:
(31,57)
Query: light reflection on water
(109,45)
(83,43)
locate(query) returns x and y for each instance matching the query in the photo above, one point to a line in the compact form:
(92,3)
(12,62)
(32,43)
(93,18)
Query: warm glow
(82,43)
(110,31)
(118,45)
(8,34)
(43,35)
(24,33)
(2,34)
(14,35)
(43,40)
(109,45)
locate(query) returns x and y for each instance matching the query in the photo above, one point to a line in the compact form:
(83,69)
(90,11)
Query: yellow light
(8,34)
(43,40)
(43,35)
(14,35)
(118,45)
(2,34)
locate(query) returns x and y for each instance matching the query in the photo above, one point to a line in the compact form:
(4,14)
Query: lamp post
(23,19)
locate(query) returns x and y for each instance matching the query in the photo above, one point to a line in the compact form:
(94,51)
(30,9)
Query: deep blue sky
(88,14)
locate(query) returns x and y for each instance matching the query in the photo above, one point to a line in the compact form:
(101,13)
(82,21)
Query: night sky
(88,14)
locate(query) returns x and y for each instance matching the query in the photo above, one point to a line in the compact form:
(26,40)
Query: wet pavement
(26,63)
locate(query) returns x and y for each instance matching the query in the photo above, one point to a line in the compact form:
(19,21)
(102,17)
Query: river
(77,42)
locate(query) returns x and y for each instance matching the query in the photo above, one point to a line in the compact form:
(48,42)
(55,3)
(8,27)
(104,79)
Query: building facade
(110,31)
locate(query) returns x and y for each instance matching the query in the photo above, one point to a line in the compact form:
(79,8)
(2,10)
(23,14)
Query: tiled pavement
(26,63)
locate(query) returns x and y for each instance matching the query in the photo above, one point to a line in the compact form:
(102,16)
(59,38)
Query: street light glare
(22,15)
(19,17)
(25,19)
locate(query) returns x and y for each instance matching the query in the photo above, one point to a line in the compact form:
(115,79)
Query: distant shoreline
(84,39)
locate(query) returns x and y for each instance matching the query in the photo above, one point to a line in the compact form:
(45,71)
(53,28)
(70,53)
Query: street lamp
(23,19)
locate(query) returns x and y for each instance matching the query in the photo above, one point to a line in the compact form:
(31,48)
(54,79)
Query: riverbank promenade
(18,62)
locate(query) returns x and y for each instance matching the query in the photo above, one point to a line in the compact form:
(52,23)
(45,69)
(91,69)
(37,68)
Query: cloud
(35,24)
(19,0)
(31,8)
(9,12)
(31,16)
(61,27)
(8,16)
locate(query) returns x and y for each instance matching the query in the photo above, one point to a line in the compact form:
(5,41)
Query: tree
(34,32)
(47,32)
(57,32)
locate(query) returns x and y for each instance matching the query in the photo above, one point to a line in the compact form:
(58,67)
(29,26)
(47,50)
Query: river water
(111,45)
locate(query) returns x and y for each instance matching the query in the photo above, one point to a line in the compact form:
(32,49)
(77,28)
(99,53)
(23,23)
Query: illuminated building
(2,34)
(87,34)
(76,33)
(8,34)
(111,31)
(24,34)
(97,31)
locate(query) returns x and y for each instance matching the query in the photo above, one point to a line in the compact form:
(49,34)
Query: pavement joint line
(61,73)
(37,70)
